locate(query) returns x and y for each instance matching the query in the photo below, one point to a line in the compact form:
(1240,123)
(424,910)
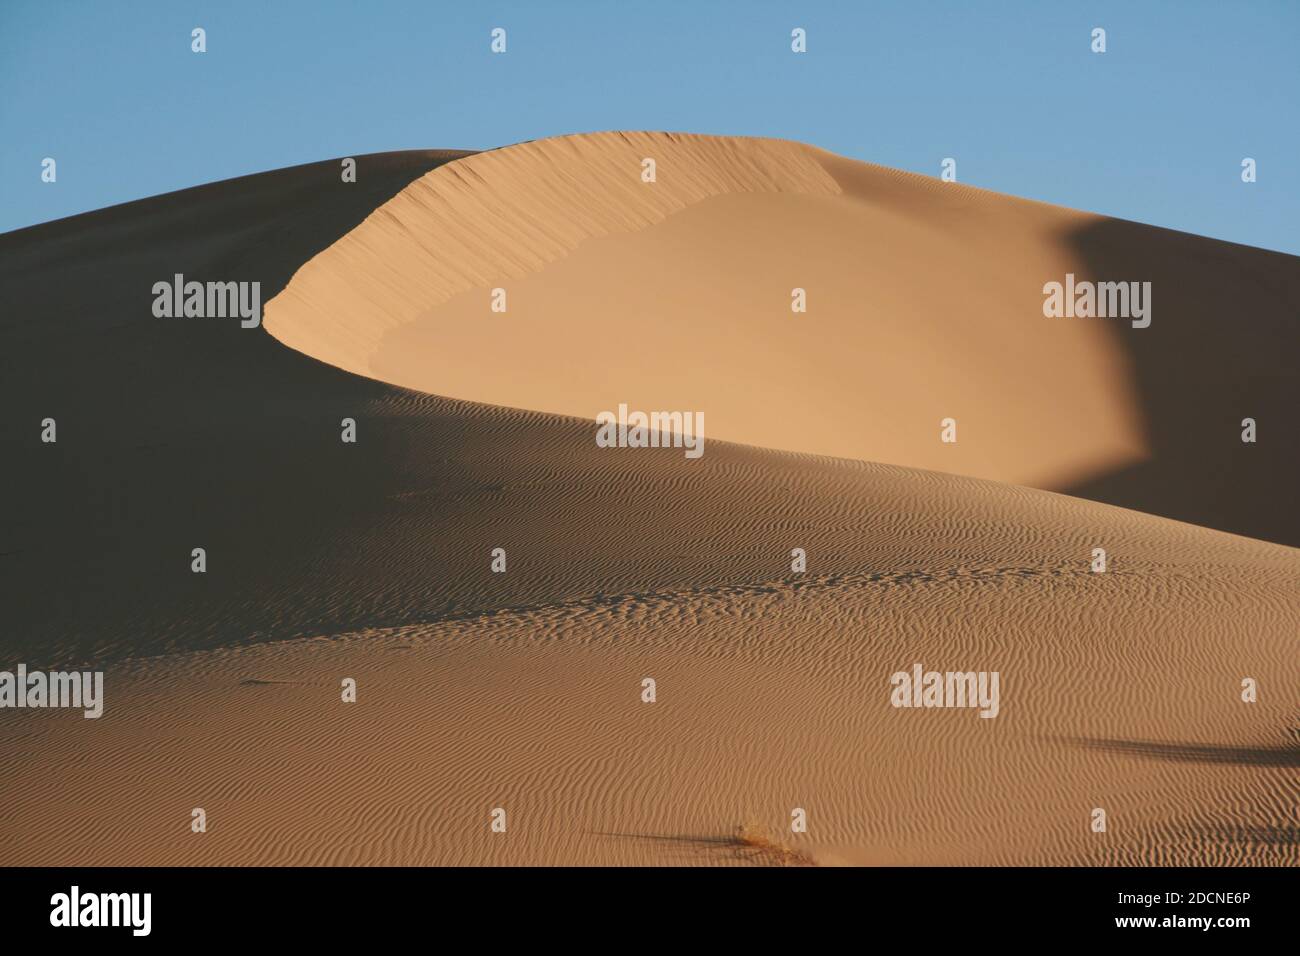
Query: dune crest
(678,294)
(511,213)
(924,302)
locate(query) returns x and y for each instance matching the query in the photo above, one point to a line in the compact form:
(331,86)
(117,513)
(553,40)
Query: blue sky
(1154,129)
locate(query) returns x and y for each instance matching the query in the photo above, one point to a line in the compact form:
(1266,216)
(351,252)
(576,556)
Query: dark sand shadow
(168,427)
(694,849)
(1231,834)
(1222,346)
(1280,755)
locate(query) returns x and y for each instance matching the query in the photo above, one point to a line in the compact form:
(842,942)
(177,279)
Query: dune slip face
(439,623)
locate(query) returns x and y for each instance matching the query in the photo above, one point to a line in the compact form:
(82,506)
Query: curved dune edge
(924,303)
(677,295)
(509,213)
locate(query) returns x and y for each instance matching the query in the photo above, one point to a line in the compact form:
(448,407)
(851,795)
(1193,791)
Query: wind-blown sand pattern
(522,690)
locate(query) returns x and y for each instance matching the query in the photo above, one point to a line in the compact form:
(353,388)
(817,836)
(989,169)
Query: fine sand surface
(522,690)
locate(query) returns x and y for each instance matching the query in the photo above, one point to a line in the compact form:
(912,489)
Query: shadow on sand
(1221,347)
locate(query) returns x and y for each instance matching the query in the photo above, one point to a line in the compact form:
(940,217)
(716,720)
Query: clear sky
(1154,129)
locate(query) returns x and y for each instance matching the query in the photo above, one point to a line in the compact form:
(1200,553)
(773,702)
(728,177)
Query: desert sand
(523,690)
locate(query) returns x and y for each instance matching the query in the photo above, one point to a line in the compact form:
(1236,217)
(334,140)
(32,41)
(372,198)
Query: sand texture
(523,690)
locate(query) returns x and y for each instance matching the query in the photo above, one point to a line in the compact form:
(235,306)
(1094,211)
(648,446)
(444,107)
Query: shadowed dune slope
(522,690)
(924,302)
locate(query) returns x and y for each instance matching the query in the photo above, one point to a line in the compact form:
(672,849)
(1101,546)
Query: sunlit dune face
(923,303)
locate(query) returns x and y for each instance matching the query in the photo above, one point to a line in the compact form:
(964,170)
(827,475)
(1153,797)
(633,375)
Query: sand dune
(924,301)
(523,690)
(1120,693)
